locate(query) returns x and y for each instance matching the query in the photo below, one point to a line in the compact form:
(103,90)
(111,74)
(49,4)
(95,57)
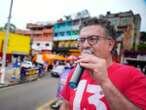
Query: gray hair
(109,29)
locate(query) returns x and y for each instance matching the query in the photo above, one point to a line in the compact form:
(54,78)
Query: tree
(12,27)
(68,17)
(142,45)
(1,29)
(143,36)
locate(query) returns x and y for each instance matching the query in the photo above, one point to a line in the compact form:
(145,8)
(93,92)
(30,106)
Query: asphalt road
(28,96)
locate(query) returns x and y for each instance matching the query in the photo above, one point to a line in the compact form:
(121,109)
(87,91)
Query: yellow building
(18,45)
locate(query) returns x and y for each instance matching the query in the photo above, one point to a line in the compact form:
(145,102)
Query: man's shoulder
(126,69)
(119,66)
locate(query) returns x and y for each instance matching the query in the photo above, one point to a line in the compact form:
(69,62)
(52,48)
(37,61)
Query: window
(55,34)
(38,44)
(47,44)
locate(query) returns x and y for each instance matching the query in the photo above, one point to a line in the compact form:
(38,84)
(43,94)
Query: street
(28,96)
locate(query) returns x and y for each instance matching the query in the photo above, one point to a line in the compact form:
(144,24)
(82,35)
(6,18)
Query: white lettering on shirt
(94,99)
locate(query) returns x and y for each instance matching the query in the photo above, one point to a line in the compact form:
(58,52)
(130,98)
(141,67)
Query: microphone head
(87,51)
(72,85)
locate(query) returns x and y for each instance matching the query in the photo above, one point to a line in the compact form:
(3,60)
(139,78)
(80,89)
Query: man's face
(93,38)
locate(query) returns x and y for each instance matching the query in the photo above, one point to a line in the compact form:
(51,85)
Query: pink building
(41,37)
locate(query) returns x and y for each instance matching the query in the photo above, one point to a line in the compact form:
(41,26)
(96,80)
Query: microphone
(76,76)
(73,83)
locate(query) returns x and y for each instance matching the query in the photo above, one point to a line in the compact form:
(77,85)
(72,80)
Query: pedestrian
(16,70)
(23,74)
(104,84)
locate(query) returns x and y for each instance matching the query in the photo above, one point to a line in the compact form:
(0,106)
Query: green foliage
(142,47)
(1,29)
(12,27)
(143,37)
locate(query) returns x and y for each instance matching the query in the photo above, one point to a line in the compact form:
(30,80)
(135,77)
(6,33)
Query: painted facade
(127,25)
(41,37)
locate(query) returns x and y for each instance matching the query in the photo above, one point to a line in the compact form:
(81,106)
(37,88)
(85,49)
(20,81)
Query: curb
(7,85)
(46,106)
(19,82)
(13,84)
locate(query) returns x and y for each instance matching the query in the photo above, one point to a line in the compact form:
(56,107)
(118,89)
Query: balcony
(76,27)
(66,37)
(47,30)
(37,32)
(42,38)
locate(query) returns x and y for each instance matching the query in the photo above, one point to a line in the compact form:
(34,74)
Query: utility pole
(3,69)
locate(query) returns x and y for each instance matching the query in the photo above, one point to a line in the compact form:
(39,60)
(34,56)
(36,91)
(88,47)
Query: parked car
(57,71)
(27,64)
(28,71)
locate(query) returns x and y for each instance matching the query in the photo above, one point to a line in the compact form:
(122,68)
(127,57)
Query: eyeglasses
(92,40)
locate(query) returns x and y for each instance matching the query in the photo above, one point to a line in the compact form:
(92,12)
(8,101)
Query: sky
(32,11)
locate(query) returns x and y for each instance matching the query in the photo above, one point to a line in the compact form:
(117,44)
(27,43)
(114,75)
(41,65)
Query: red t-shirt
(89,95)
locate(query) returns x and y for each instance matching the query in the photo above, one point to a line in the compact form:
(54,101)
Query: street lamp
(2,78)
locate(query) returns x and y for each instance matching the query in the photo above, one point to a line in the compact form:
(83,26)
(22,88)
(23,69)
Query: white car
(57,71)
(27,64)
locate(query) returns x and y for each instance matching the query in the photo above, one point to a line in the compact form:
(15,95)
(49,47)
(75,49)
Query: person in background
(104,84)
(16,70)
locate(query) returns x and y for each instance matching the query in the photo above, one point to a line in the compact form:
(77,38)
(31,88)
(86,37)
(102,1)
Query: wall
(19,44)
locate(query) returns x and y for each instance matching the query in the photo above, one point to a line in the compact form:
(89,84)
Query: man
(104,84)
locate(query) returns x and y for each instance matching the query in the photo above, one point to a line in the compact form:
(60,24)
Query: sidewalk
(8,81)
(11,82)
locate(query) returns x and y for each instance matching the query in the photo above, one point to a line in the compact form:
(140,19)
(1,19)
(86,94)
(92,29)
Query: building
(127,25)
(66,33)
(18,46)
(23,32)
(41,37)
(65,37)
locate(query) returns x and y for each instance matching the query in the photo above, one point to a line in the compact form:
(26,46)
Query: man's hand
(97,65)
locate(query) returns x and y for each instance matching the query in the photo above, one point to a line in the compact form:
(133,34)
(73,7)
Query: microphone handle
(76,76)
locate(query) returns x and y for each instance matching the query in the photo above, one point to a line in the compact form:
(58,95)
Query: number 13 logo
(93,99)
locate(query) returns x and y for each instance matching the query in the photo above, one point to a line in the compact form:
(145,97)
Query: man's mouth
(88,51)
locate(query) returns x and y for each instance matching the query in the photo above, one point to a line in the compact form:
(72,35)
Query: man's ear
(111,44)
